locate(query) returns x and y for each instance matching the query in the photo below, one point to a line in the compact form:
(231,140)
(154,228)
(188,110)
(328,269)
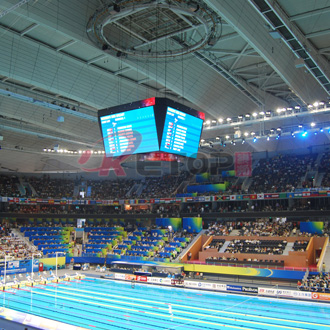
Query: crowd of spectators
(111,189)
(256,246)
(165,186)
(9,186)
(281,173)
(166,210)
(219,229)
(248,261)
(12,246)
(151,243)
(223,259)
(33,209)
(319,282)
(300,246)
(216,244)
(325,170)
(45,187)
(267,228)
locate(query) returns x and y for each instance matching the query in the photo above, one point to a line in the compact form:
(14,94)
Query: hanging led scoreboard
(151,125)
(129,132)
(181,133)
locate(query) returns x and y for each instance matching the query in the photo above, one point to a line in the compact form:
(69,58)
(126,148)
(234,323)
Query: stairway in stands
(289,247)
(26,240)
(327,258)
(235,232)
(184,251)
(224,247)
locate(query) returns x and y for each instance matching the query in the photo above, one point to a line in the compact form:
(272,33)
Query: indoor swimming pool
(107,304)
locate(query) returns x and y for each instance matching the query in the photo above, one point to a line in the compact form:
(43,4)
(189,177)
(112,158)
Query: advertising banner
(267,292)
(159,280)
(19,266)
(234,287)
(192,284)
(141,278)
(220,287)
(119,276)
(249,289)
(288,293)
(320,296)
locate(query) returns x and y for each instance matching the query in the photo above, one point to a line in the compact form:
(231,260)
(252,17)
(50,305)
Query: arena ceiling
(65,60)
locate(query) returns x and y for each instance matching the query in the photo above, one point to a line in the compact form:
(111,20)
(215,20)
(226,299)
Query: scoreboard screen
(129,132)
(181,133)
(151,125)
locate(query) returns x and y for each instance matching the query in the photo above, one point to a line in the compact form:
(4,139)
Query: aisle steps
(289,247)
(224,247)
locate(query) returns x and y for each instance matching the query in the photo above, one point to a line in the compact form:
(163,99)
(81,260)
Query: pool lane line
(66,313)
(52,285)
(187,326)
(149,313)
(230,313)
(212,298)
(152,313)
(8,292)
(191,307)
(59,319)
(120,321)
(199,309)
(277,306)
(135,317)
(24,290)
(189,313)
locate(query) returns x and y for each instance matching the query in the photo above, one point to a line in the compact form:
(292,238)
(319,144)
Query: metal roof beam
(97,58)
(274,86)
(309,53)
(48,105)
(67,44)
(248,53)
(29,28)
(272,75)
(310,14)
(324,50)
(7,11)
(123,70)
(232,52)
(54,137)
(131,32)
(236,81)
(72,57)
(142,81)
(250,24)
(262,76)
(241,53)
(251,67)
(317,33)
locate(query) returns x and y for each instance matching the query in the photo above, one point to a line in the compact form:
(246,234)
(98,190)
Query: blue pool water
(106,304)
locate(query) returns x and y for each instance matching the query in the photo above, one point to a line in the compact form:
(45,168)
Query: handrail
(324,249)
